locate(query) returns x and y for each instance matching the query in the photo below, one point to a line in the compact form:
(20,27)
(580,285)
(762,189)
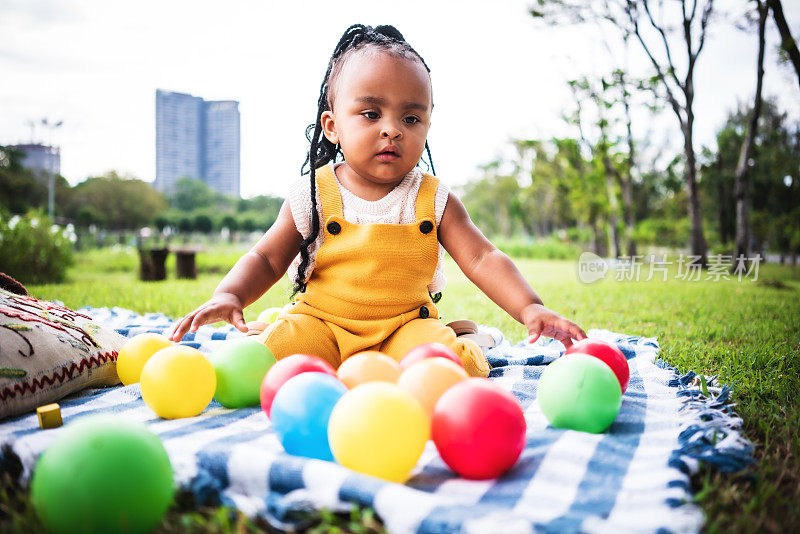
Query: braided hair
(322,151)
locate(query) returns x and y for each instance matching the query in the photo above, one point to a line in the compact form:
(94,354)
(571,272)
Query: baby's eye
(411,120)
(370,114)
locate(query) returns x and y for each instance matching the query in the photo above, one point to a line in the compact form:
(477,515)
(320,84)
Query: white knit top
(397,207)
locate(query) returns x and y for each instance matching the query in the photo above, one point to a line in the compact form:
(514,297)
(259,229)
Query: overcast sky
(497,74)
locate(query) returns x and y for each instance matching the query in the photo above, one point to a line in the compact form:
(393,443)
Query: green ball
(240,365)
(580,392)
(102,474)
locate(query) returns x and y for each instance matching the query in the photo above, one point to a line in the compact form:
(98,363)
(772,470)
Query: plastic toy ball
(300,413)
(285,369)
(102,474)
(369,366)
(269,315)
(608,353)
(135,353)
(178,382)
(429,350)
(240,365)
(479,429)
(580,392)
(378,429)
(428,379)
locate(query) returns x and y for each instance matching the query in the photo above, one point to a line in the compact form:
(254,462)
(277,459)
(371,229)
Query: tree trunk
(600,240)
(697,240)
(721,212)
(185,265)
(743,165)
(613,204)
(152,264)
(787,42)
(626,183)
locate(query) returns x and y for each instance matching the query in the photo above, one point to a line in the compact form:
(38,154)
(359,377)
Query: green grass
(746,332)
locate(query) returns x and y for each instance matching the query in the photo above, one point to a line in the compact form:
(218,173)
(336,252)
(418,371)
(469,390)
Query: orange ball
(428,379)
(368,366)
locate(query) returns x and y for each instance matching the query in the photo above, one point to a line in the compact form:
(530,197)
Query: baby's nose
(390,132)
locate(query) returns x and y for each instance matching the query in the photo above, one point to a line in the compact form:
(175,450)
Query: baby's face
(381,114)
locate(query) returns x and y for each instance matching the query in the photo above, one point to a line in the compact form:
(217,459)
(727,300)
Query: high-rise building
(197,139)
(221,169)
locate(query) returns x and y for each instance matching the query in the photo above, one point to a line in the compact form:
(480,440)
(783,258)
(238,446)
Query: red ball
(478,428)
(607,353)
(285,369)
(429,350)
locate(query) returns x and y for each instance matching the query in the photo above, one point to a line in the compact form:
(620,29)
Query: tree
(595,92)
(788,44)
(115,202)
(162,221)
(229,222)
(191,194)
(635,20)
(586,182)
(202,223)
(19,188)
(493,201)
(185,224)
(773,180)
(742,167)
(248,224)
(626,182)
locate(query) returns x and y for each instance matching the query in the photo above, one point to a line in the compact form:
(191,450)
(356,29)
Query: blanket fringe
(711,429)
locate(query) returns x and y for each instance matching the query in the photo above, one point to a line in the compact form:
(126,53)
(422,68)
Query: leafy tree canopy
(115,202)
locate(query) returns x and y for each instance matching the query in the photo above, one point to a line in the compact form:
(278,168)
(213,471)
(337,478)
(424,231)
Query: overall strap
(426,198)
(329,193)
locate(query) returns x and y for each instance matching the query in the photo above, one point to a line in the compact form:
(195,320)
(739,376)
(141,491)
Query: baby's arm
(250,277)
(497,276)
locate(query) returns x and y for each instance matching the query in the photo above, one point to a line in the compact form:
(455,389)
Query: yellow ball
(135,353)
(178,381)
(428,379)
(369,366)
(378,429)
(269,315)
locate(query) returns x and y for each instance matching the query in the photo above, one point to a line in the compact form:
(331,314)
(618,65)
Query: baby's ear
(328,123)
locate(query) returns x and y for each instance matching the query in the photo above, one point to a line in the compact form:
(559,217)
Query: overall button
(334,227)
(425,227)
(424,313)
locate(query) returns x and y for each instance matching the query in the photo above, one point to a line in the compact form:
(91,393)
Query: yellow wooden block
(49,416)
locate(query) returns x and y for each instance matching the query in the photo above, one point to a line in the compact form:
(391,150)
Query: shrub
(663,232)
(550,247)
(33,250)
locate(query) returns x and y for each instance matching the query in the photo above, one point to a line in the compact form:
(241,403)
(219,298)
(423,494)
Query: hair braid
(321,150)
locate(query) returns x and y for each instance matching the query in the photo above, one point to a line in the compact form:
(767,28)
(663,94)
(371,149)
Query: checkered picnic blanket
(633,477)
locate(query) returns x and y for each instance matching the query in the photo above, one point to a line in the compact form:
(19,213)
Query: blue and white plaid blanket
(633,477)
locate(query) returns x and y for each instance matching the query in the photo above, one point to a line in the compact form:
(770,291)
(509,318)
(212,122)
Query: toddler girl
(371,230)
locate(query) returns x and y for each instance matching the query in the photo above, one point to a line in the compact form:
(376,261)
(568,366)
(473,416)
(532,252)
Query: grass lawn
(746,332)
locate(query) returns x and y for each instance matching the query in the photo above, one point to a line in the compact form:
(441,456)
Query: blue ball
(300,413)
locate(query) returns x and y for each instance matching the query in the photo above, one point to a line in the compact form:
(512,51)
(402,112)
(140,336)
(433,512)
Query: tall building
(41,159)
(198,139)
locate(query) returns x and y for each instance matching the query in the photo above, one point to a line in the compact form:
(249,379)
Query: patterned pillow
(48,351)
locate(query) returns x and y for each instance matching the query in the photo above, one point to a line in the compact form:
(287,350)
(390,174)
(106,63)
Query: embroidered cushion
(48,351)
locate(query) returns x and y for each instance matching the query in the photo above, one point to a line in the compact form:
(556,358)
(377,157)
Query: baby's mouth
(392,151)
(388,154)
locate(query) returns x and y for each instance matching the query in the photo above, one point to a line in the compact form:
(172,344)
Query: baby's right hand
(221,307)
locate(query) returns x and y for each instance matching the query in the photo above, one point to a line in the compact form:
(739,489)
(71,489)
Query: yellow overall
(369,289)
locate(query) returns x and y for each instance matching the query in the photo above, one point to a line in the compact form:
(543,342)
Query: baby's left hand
(541,321)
